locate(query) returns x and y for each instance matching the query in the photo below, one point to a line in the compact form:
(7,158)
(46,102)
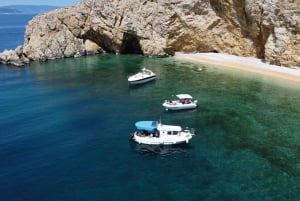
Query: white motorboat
(155,133)
(184,102)
(145,75)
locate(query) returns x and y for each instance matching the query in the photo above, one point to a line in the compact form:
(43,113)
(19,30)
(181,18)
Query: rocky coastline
(266,29)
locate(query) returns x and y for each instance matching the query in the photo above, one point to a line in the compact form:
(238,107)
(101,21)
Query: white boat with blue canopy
(145,75)
(155,133)
(184,102)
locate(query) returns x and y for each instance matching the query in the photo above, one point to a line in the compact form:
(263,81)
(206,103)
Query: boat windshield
(146,71)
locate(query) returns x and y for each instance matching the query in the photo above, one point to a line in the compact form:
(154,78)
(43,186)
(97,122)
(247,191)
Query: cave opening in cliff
(103,40)
(131,43)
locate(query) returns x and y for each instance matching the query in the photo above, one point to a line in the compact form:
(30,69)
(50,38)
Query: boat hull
(164,140)
(142,80)
(179,106)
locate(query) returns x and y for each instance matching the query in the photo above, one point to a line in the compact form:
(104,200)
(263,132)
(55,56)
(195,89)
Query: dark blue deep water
(65,127)
(12,28)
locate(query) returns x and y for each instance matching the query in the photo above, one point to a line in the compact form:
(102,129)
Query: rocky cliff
(268,29)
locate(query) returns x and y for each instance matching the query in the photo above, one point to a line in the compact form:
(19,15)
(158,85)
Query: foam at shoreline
(246,64)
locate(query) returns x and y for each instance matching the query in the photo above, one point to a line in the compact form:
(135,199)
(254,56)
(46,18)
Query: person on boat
(186,101)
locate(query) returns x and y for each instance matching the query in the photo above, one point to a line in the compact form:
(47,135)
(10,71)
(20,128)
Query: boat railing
(189,130)
(171,102)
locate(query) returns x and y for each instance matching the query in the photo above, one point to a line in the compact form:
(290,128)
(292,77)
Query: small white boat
(155,133)
(145,75)
(184,102)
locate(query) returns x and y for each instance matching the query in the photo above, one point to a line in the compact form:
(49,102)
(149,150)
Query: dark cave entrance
(131,43)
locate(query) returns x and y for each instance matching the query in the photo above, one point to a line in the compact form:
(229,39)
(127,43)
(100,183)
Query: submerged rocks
(264,29)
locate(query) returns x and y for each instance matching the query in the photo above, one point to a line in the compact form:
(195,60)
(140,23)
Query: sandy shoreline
(245,64)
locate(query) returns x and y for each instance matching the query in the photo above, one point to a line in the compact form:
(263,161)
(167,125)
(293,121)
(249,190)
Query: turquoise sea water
(65,127)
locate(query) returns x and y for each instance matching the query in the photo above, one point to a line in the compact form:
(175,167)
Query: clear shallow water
(65,125)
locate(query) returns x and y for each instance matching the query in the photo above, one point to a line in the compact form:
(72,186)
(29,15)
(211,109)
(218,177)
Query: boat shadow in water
(139,86)
(161,150)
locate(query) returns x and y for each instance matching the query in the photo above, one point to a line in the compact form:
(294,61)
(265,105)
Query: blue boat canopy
(146,125)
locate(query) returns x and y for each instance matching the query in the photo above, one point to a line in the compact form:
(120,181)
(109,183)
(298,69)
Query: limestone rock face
(14,57)
(48,36)
(265,29)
